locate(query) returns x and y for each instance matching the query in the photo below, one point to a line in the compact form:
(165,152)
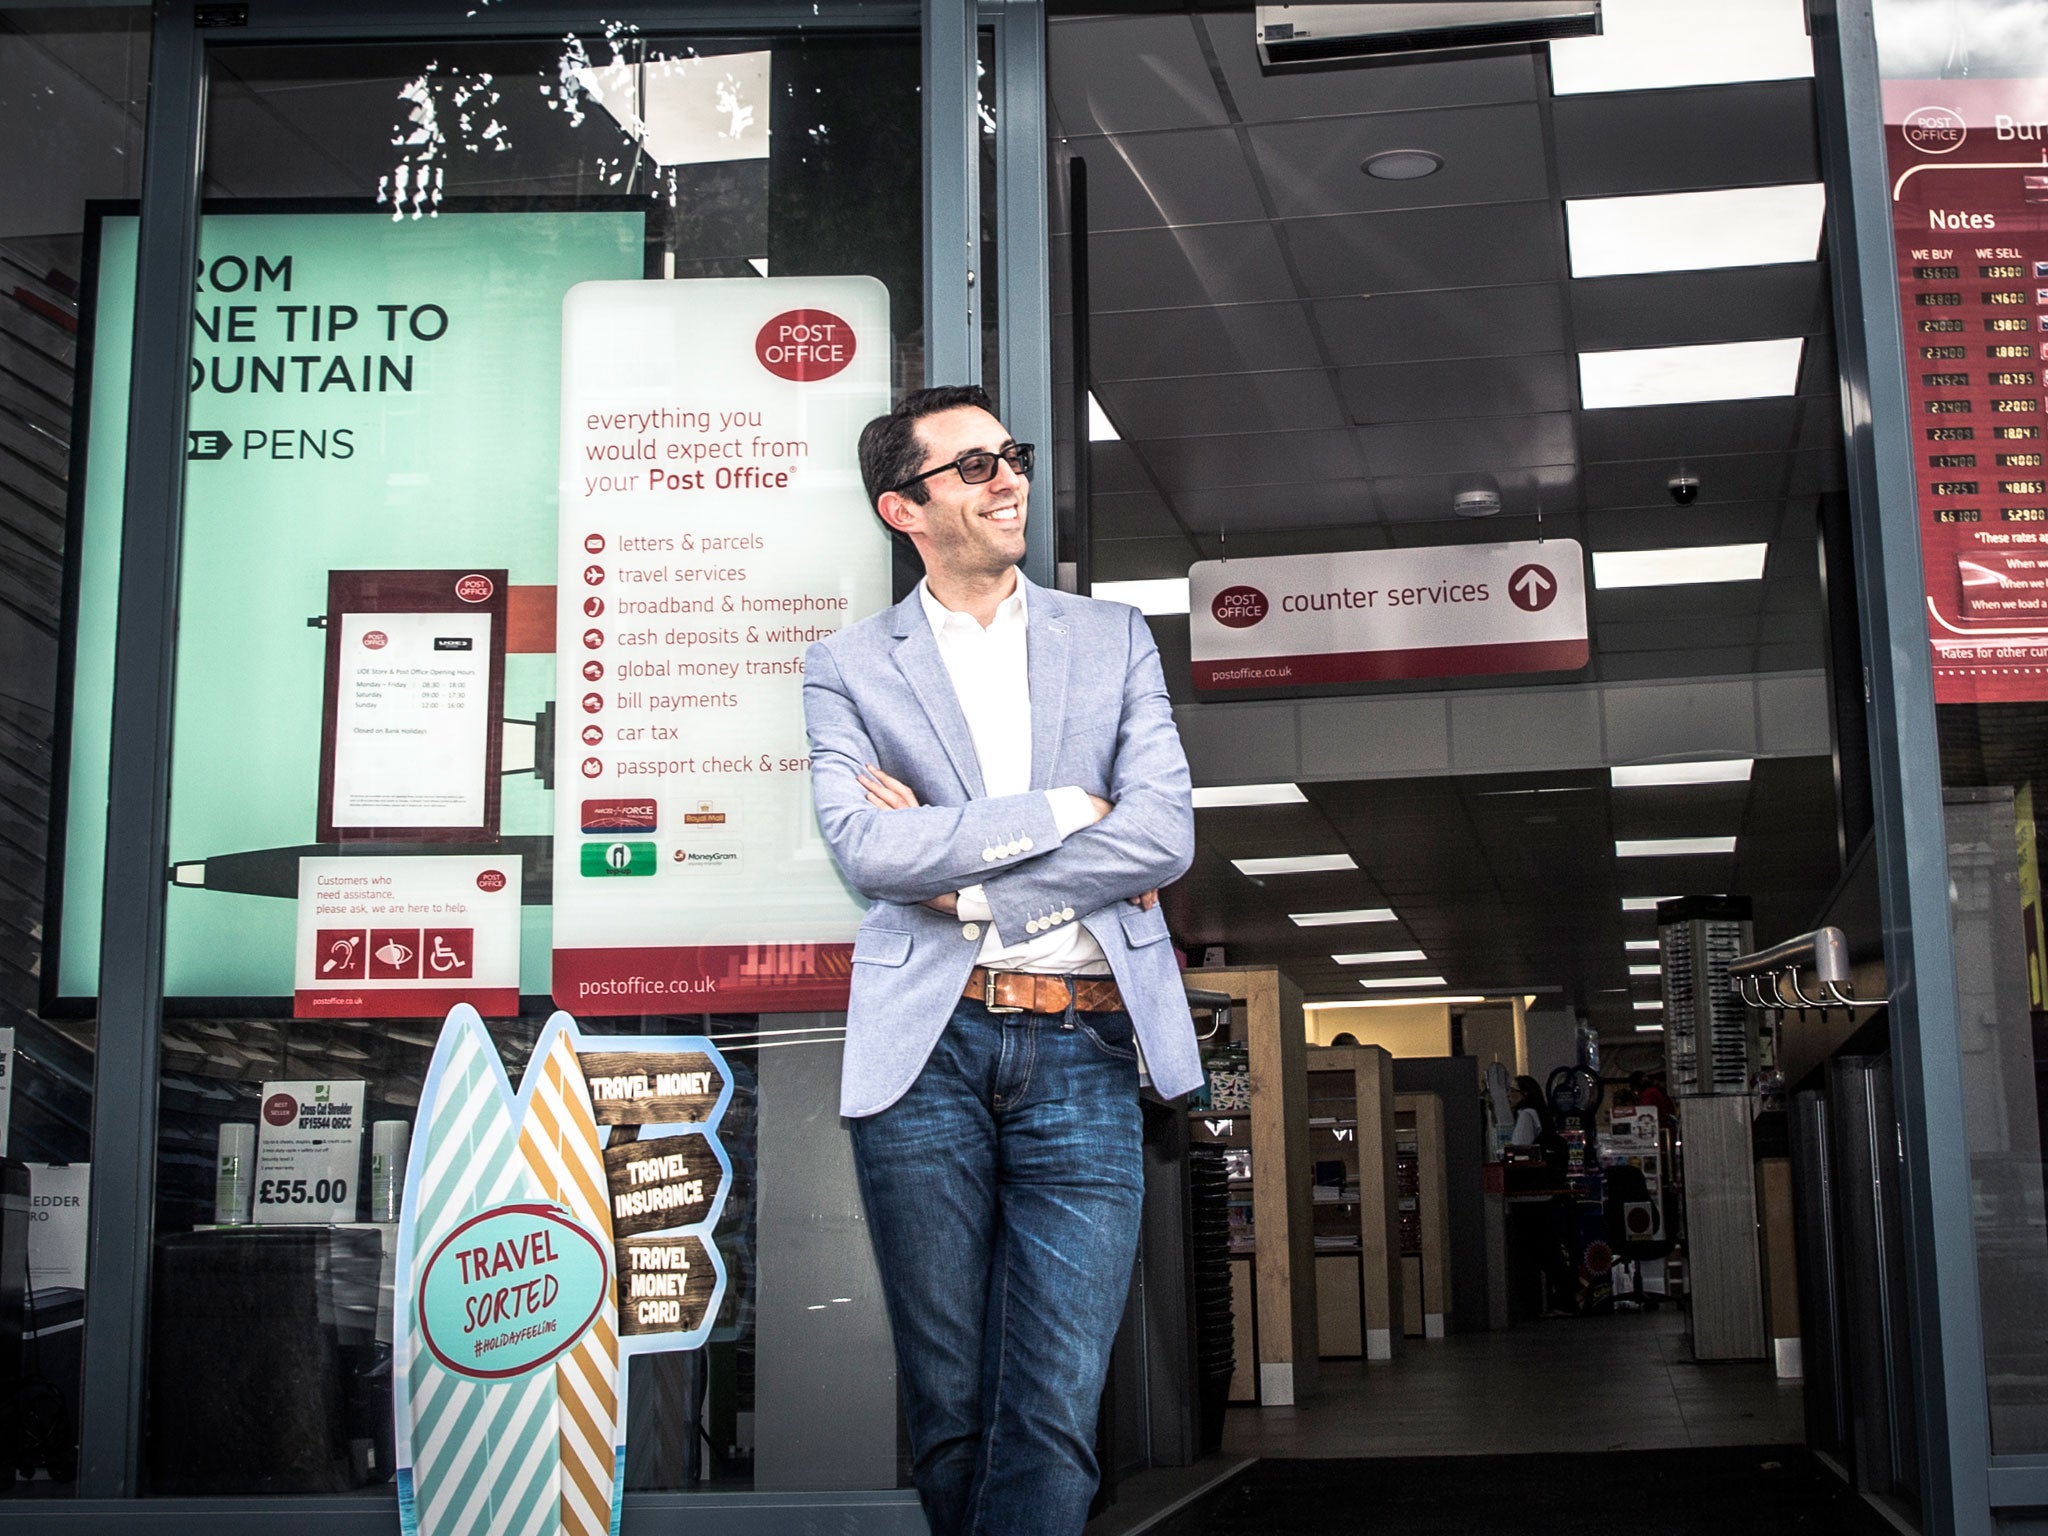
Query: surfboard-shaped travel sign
(545,1237)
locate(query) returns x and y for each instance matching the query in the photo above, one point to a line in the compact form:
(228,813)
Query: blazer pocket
(1141,927)
(881,946)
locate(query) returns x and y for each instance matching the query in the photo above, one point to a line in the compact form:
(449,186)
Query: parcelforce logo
(1238,607)
(1935,130)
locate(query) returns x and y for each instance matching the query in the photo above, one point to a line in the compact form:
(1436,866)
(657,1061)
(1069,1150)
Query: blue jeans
(1004,1192)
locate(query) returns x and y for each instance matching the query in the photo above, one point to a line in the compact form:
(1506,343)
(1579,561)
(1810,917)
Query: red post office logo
(375,640)
(1238,607)
(280,1109)
(1935,130)
(805,345)
(475,588)
(491,880)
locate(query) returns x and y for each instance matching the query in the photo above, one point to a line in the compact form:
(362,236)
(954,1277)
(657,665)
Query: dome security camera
(1684,489)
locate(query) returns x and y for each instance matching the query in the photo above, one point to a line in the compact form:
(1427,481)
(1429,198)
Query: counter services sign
(546,1238)
(1370,615)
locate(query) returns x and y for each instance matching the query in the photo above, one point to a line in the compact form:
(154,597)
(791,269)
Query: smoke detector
(1475,503)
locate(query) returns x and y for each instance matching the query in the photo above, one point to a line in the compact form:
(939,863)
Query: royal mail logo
(1239,607)
(1935,130)
(619,816)
(475,588)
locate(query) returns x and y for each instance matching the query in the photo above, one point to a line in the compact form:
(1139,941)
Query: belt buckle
(988,995)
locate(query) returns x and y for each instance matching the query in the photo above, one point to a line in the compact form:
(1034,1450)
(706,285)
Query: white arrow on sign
(1532,587)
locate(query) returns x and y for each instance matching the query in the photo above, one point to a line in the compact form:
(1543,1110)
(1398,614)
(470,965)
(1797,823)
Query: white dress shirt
(992,680)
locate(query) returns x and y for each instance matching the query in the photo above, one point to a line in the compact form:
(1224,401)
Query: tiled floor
(1620,1383)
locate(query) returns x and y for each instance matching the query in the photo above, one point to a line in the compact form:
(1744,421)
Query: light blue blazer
(878,692)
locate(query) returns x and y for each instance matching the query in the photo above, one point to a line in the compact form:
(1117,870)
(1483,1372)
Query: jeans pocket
(1111,1034)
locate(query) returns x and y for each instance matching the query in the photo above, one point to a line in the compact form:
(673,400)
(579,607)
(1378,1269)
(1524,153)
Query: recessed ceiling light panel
(1690,565)
(1215,797)
(1693,231)
(1648,45)
(1719,370)
(1160,596)
(1297,864)
(1381,957)
(1339,919)
(1643,903)
(1670,847)
(1720,770)
(1383,983)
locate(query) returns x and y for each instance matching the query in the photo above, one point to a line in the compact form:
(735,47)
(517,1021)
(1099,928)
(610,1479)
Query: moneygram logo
(1238,607)
(1935,130)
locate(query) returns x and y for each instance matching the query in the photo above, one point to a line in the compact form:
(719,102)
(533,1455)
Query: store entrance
(1502,1171)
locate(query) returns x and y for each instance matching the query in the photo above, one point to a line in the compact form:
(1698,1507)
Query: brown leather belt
(1018,992)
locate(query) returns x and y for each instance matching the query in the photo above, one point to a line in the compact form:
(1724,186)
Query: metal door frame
(127,1071)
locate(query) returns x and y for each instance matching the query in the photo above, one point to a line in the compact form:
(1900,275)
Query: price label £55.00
(301,1192)
(309,1144)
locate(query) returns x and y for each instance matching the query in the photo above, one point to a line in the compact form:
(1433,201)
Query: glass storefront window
(72,88)
(380,354)
(1965,92)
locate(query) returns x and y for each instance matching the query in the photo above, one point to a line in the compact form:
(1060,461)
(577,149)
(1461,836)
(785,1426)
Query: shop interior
(1357,302)
(1487,1164)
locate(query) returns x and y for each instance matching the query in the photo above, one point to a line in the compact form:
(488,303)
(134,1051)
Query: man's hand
(1145,901)
(947,902)
(1102,806)
(884,792)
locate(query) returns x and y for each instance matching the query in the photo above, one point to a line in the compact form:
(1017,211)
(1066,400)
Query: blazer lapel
(918,659)
(1048,655)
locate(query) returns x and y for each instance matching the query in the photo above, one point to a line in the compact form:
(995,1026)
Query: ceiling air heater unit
(1322,34)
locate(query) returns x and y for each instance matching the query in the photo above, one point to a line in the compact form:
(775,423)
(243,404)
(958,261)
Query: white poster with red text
(713,525)
(1459,610)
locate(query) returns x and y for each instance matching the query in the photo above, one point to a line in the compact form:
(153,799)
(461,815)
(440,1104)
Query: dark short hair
(889,450)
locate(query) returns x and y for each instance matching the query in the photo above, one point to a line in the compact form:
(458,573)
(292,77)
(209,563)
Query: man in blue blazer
(996,769)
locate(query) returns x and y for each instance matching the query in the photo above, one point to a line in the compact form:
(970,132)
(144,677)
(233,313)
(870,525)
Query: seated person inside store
(996,769)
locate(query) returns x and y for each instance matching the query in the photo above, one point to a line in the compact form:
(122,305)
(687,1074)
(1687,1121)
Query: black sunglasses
(979,466)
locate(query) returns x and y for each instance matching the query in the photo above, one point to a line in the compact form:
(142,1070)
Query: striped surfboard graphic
(559,1141)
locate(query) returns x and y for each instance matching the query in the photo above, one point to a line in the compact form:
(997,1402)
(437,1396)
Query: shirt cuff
(1071,809)
(971,905)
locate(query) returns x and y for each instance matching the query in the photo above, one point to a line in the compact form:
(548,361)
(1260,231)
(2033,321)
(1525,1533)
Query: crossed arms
(908,853)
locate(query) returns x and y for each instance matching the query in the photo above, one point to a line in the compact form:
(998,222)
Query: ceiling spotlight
(1476,503)
(1403,165)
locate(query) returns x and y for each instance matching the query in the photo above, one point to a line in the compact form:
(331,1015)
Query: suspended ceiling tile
(1397,85)
(1223,402)
(1646,483)
(1686,140)
(1494,386)
(1266,458)
(1173,269)
(1485,445)
(1146,180)
(1143,560)
(1241,513)
(1137,515)
(1130,74)
(1670,309)
(1718,426)
(1453,322)
(1171,343)
(1114,468)
(1427,248)
(1490,155)
(1524,491)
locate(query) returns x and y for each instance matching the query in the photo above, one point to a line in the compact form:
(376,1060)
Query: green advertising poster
(368,395)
